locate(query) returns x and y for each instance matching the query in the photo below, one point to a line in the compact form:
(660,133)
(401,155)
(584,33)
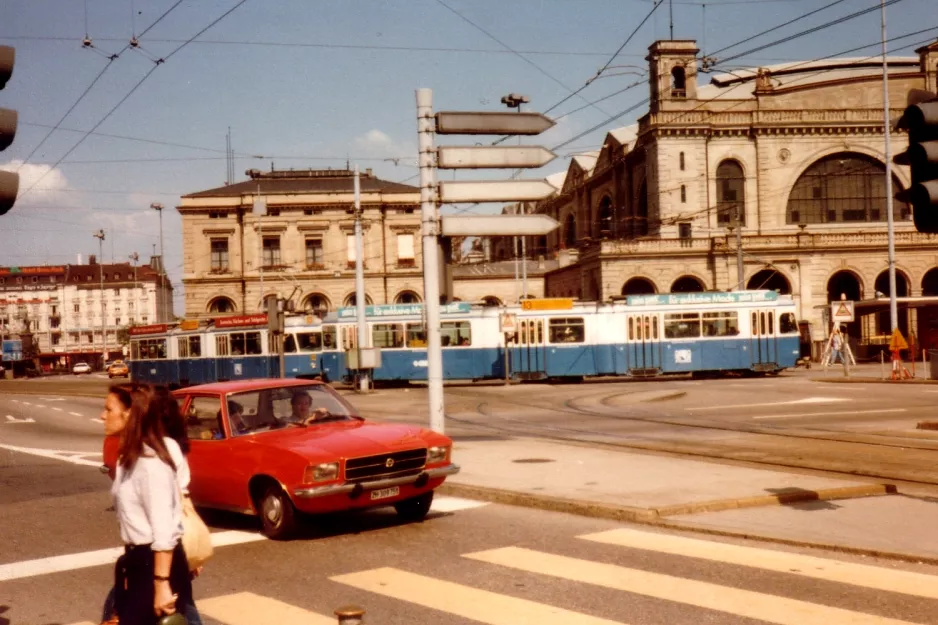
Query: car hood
(341,440)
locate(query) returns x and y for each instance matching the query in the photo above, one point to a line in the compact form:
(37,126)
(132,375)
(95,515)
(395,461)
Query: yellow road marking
(471,603)
(755,605)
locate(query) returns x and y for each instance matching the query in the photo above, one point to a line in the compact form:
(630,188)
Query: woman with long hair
(152,577)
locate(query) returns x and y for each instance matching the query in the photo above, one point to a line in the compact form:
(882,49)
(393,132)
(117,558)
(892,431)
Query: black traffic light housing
(921,120)
(9,182)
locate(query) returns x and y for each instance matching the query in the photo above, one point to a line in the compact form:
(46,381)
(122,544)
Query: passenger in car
(301,404)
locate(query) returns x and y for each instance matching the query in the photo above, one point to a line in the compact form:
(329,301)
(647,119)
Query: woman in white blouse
(152,577)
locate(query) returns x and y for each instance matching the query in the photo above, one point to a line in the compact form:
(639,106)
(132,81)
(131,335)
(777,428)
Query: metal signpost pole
(99,235)
(431,274)
(360,285)
(893,308)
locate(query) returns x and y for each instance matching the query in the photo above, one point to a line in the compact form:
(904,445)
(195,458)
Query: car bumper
(357,488)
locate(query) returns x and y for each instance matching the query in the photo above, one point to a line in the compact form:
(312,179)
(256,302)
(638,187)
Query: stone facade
(795,151)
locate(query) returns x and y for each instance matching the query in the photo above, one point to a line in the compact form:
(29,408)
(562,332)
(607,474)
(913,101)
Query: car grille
(402,463)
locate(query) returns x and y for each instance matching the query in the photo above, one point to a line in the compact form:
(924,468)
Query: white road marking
(729,600)
(454,504)
(52,398)
(58,409)
(26,403)
(39,406)
(878,578)
(474,604)
(931,391)
(12,419)
(53,454)
(247,608)
(76,414)
(100,557)
(798,415)
(96,419)
(806,400)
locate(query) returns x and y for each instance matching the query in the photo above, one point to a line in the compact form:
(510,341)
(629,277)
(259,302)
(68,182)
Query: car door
(210,451)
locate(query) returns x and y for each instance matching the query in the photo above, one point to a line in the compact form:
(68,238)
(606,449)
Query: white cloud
(47,184)
(378,144)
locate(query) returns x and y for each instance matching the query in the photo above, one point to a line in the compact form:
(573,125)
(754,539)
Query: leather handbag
(196,539)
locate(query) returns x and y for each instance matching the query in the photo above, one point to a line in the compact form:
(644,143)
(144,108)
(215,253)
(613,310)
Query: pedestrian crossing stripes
(464,601)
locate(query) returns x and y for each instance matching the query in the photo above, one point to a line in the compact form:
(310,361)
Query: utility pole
(99,235)
(259,209)
(430,230)
(161,313)
(514,100)
(893,307)
(134,257)
(741,277)
(360,285)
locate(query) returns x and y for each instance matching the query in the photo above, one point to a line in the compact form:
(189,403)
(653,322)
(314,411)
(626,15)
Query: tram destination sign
(150,329)
(394,310)
(241,320)
(672,299)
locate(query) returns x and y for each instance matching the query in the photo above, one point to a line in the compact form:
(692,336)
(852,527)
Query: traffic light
(9,182)
(921,120)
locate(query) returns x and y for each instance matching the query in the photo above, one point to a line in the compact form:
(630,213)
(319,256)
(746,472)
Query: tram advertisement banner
(241,320)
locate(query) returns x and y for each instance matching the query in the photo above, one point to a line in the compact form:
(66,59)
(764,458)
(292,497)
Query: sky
(314,84)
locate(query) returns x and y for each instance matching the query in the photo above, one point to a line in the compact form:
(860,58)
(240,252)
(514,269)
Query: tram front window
(309,341)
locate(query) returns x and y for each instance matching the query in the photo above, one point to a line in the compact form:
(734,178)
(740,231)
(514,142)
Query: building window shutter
(405,246)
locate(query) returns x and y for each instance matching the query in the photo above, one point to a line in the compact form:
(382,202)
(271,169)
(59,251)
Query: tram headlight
(321,472)
(438,454)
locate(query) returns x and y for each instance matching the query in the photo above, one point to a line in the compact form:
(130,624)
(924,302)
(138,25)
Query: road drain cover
(532,460)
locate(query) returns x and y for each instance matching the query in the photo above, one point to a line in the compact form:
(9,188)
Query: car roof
(236,386)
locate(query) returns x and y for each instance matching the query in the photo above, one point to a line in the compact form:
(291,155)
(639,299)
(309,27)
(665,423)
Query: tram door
(763,345)
(643,344)
(529,350)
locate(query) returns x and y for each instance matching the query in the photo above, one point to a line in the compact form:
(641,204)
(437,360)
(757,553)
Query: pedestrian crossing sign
(842,311)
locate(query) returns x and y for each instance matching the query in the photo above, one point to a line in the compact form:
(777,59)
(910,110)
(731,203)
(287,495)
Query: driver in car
(301,404)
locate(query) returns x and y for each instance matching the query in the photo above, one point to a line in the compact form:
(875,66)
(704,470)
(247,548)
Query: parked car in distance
(118,369)
(277,448)
(81,367)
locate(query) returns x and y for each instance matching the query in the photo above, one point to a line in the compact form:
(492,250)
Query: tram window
(567,330)
(350,336)
(455,334)
(416,335)
(329,338)
(195,346)
(183,345)
(153,349)
(237,344)
(631,328)
(309,341)
(221,345)
(723,323)
(387,335)
(771,317)
(289,344)
(681,325)
(654,328)
(135,350)
(787,324)
(253,342)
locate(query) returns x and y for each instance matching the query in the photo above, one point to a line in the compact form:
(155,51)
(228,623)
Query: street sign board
(508,324)
(476,157)
(497,225)
(842,311)
(491,123)
(454,192)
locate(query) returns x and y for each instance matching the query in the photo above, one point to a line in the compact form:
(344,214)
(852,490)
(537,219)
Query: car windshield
(275,408)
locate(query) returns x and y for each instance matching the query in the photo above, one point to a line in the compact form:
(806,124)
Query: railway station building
(782,166)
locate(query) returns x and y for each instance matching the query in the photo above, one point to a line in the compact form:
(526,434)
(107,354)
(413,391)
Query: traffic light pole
(430,230)
(360,285)
(890,227)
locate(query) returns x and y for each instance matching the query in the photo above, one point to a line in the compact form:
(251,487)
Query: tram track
(855,455)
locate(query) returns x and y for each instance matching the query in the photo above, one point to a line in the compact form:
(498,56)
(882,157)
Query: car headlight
(321,472)
(438,454)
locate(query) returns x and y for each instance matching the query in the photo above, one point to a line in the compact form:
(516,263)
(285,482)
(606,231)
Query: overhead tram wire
(111,60)
(130,93)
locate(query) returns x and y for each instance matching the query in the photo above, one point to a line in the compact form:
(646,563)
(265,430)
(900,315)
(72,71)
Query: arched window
(843,187)
(845,283)
(491,300)
(771,280)
(569,232)
(350,300)
(407,297)
(930,282)
(221,305)
(687,284)
(639,286)
(678,82)
(640,228)
(317,302)
(731,193)
(605,218)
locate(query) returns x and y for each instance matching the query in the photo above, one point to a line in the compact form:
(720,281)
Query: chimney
(92,259)
(79,259)
(368,173)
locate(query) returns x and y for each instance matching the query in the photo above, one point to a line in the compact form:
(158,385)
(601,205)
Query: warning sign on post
(842,311)
(508,323)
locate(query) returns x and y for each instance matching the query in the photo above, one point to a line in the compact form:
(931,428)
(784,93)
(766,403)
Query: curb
(866,380)
(658,516)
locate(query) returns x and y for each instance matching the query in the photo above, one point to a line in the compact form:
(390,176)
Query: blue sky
(307,83)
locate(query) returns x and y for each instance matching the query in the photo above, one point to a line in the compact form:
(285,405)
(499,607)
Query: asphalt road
(466,563)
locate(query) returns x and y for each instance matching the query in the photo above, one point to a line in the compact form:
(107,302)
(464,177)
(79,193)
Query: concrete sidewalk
(780,506)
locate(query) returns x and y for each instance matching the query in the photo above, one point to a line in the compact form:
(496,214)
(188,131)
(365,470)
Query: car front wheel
(278,516)
(415,508)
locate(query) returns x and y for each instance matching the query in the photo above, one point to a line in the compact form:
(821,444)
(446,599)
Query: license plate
(384,493)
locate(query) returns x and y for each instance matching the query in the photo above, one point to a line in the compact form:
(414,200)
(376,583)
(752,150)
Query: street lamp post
(514,100)
(99,235)
(162,311)
(133,319)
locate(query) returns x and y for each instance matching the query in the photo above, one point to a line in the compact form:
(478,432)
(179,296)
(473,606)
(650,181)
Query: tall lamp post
(514,101)
(133,318)
(99,235)
(162,311)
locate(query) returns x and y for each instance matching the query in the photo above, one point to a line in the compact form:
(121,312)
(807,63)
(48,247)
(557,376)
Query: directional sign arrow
(498,225)
(452,192)
(508,156)
(491,123)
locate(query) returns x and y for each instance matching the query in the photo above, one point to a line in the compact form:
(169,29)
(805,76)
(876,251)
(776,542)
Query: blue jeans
(191,613)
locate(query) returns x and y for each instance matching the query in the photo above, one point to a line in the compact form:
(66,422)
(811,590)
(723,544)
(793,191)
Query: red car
(275,447)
